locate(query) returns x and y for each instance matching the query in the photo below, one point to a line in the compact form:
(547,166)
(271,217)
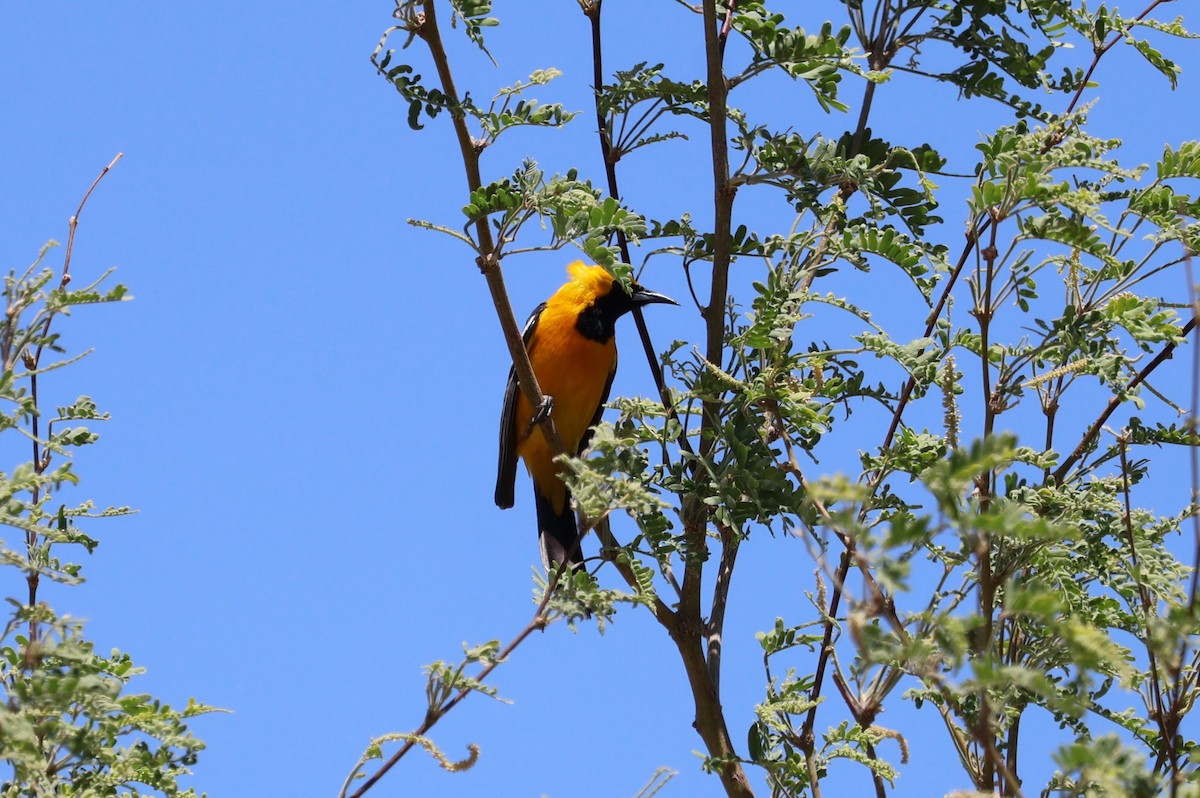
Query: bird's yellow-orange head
(593,300)
(587,284)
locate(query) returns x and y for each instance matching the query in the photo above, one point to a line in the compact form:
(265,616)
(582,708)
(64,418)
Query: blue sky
(305,390)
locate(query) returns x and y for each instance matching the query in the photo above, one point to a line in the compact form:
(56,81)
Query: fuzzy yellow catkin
(952,416)
(442,759)
(1058,372)
(891,734)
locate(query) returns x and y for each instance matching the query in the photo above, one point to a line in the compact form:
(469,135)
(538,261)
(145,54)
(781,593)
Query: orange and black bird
(570,342)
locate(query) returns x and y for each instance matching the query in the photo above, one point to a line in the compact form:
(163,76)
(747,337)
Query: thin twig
(983,312)
(977,229)
(714,312)
(41,461)
(1116,401)
(1194,428)
(715,627)
(726,27)
(608,542)
(593,11)
(1149,611)
(710,719)
(74,221)
(489,264)
(1099,53)
(537,623)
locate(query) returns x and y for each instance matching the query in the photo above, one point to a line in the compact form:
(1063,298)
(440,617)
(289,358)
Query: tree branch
(1114,402)
(41,460)
(538,622)
(592,10)
(1100,54)
(489,265)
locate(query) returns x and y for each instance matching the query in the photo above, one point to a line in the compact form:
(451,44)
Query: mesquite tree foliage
(974,571)
(68,723)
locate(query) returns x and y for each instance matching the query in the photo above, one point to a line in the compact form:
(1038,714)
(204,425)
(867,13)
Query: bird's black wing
(506,469)
(587,436)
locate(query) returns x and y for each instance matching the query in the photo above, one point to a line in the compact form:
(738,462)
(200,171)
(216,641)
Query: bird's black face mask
(599,321)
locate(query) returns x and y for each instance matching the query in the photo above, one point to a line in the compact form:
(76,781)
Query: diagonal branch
(1116,401)
(489,264)
(538,622)
(1099,53)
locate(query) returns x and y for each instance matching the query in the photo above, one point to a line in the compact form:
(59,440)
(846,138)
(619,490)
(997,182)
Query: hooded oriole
(569,338)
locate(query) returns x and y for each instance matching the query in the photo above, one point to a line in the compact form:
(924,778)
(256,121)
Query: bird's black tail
(558,534)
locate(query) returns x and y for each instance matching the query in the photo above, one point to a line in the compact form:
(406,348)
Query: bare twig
(726,27)
(74,221)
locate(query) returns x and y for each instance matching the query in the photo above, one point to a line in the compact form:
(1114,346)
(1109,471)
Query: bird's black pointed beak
(643,297)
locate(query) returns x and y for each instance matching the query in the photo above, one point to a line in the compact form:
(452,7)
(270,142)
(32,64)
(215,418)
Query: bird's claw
(542,412)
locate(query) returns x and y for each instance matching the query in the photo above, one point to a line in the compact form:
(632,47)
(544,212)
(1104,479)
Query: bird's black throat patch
(599,321)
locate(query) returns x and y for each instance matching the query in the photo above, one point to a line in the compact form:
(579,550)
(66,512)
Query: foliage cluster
(68,723)
(979,575)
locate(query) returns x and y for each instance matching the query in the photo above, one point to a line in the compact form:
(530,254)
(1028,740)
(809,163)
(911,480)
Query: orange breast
(574,370)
